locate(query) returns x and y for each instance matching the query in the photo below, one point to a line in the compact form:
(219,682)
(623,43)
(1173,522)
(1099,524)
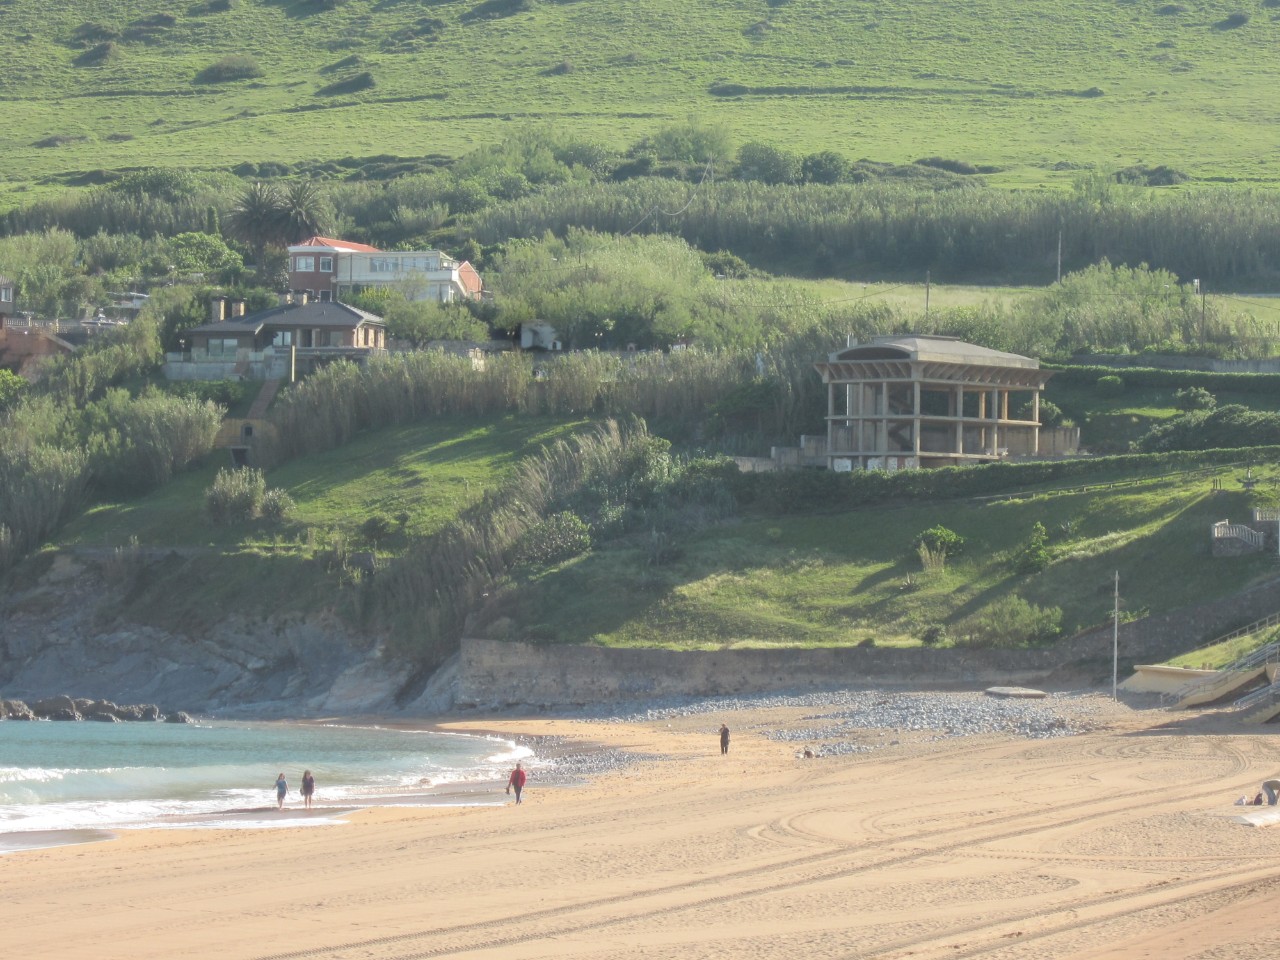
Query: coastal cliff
(60,634)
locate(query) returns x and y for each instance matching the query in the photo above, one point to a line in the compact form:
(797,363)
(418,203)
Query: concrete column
(915,427)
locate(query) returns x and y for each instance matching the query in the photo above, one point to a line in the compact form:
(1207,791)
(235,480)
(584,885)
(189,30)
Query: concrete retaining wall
(498,673)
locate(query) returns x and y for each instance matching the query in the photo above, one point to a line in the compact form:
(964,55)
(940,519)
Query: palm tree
(304,210)
(258,218)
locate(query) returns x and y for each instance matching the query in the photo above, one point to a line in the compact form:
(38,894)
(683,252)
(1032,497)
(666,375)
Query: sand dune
(1121,843)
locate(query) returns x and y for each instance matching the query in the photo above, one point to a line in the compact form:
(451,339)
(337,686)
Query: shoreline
(957,829)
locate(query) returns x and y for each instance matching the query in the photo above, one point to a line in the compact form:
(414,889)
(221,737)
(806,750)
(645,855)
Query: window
(384,264)
(326,264)
(223,348)
(324,296)
(304,264)
(282,338)
(6,294)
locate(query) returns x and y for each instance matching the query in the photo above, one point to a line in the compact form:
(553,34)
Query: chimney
(304,298)
(237,308)
(218,309)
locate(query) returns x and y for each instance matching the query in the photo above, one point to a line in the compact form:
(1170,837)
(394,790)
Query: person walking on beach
(516,780)
(282,787)
(308,787)
(724,738)
(1273,791)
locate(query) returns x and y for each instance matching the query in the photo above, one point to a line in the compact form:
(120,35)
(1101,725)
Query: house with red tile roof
(334,270)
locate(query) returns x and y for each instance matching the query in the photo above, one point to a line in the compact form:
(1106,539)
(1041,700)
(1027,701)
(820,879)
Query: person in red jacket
(517,780)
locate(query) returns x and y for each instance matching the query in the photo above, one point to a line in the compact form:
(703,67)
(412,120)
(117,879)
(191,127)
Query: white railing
(1240,531)
(1270,653)
(1266,514)
(1266,696)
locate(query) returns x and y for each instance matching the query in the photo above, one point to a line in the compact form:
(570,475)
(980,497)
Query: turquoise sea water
(77,776)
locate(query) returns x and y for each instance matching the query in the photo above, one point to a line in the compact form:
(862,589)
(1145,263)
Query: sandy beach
(1122,842)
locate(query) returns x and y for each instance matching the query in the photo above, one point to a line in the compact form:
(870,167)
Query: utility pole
(1115,639)
(1199,288)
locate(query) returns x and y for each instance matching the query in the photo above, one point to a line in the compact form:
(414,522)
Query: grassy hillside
(1038,89)
(845,578)
(417,477)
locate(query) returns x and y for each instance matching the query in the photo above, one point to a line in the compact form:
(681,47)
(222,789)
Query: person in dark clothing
(516,780)
(724,738)
(1273,790)
(308,787)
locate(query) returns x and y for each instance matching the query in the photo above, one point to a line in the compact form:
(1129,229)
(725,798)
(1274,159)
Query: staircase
(268,393)
(1261,663)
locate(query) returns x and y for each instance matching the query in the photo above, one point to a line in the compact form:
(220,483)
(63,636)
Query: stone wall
(497,673)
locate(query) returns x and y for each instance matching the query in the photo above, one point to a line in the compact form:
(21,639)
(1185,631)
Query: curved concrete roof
(932,348)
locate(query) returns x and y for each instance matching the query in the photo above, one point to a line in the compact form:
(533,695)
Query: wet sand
(1119,843)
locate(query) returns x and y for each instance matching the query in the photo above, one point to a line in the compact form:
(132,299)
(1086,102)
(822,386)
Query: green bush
(1229,426)
(376,529)
(561,536)
(238,66)
(939,539)
(1009,622)
(1194,398)
(1110,386)
(236,496)
(1033,556)
(1050,413)
(276,506)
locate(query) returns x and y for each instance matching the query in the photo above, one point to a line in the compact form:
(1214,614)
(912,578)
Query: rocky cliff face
(56,637)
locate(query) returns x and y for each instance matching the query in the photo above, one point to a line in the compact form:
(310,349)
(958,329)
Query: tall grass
(425,596)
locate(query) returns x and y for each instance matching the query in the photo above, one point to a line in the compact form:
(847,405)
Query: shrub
(102,53)
(1033,556)
(934,635)
(1233,22)
(276,506)
(1110,386)
(1050,413)
(208,6)
(238,66)
(1009,622)
(236,496)
(353,84)
(939,539)
(1194,398)
(376,529)
(555,539)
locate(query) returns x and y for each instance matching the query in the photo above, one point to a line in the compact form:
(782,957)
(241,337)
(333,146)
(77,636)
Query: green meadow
(1037,91)
(853,577)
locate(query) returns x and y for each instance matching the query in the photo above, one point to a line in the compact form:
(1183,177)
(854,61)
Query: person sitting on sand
(517,780)
(1257,800)
(308,788)
(1273,790)
(282,787)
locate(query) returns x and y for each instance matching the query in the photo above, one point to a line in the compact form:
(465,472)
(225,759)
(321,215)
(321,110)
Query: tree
(825,167)
(202,253)
(760,161)
(303,210)
(258,218)
(11,387)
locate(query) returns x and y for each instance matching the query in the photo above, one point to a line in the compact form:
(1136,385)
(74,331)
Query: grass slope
(830,580)
(1038,88)
(428,472)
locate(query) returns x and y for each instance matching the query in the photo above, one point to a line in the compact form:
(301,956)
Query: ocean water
(85,776)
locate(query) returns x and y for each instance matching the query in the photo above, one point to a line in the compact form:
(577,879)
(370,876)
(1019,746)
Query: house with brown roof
(331,269)
(281,343)
(926,401)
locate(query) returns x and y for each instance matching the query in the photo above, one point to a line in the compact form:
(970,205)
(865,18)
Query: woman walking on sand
(282,787)
(308,788)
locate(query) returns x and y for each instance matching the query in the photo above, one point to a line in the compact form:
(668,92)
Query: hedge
(1088,376)
(798,491)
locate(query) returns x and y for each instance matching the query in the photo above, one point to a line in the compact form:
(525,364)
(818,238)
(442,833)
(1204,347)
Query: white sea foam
(75,776)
